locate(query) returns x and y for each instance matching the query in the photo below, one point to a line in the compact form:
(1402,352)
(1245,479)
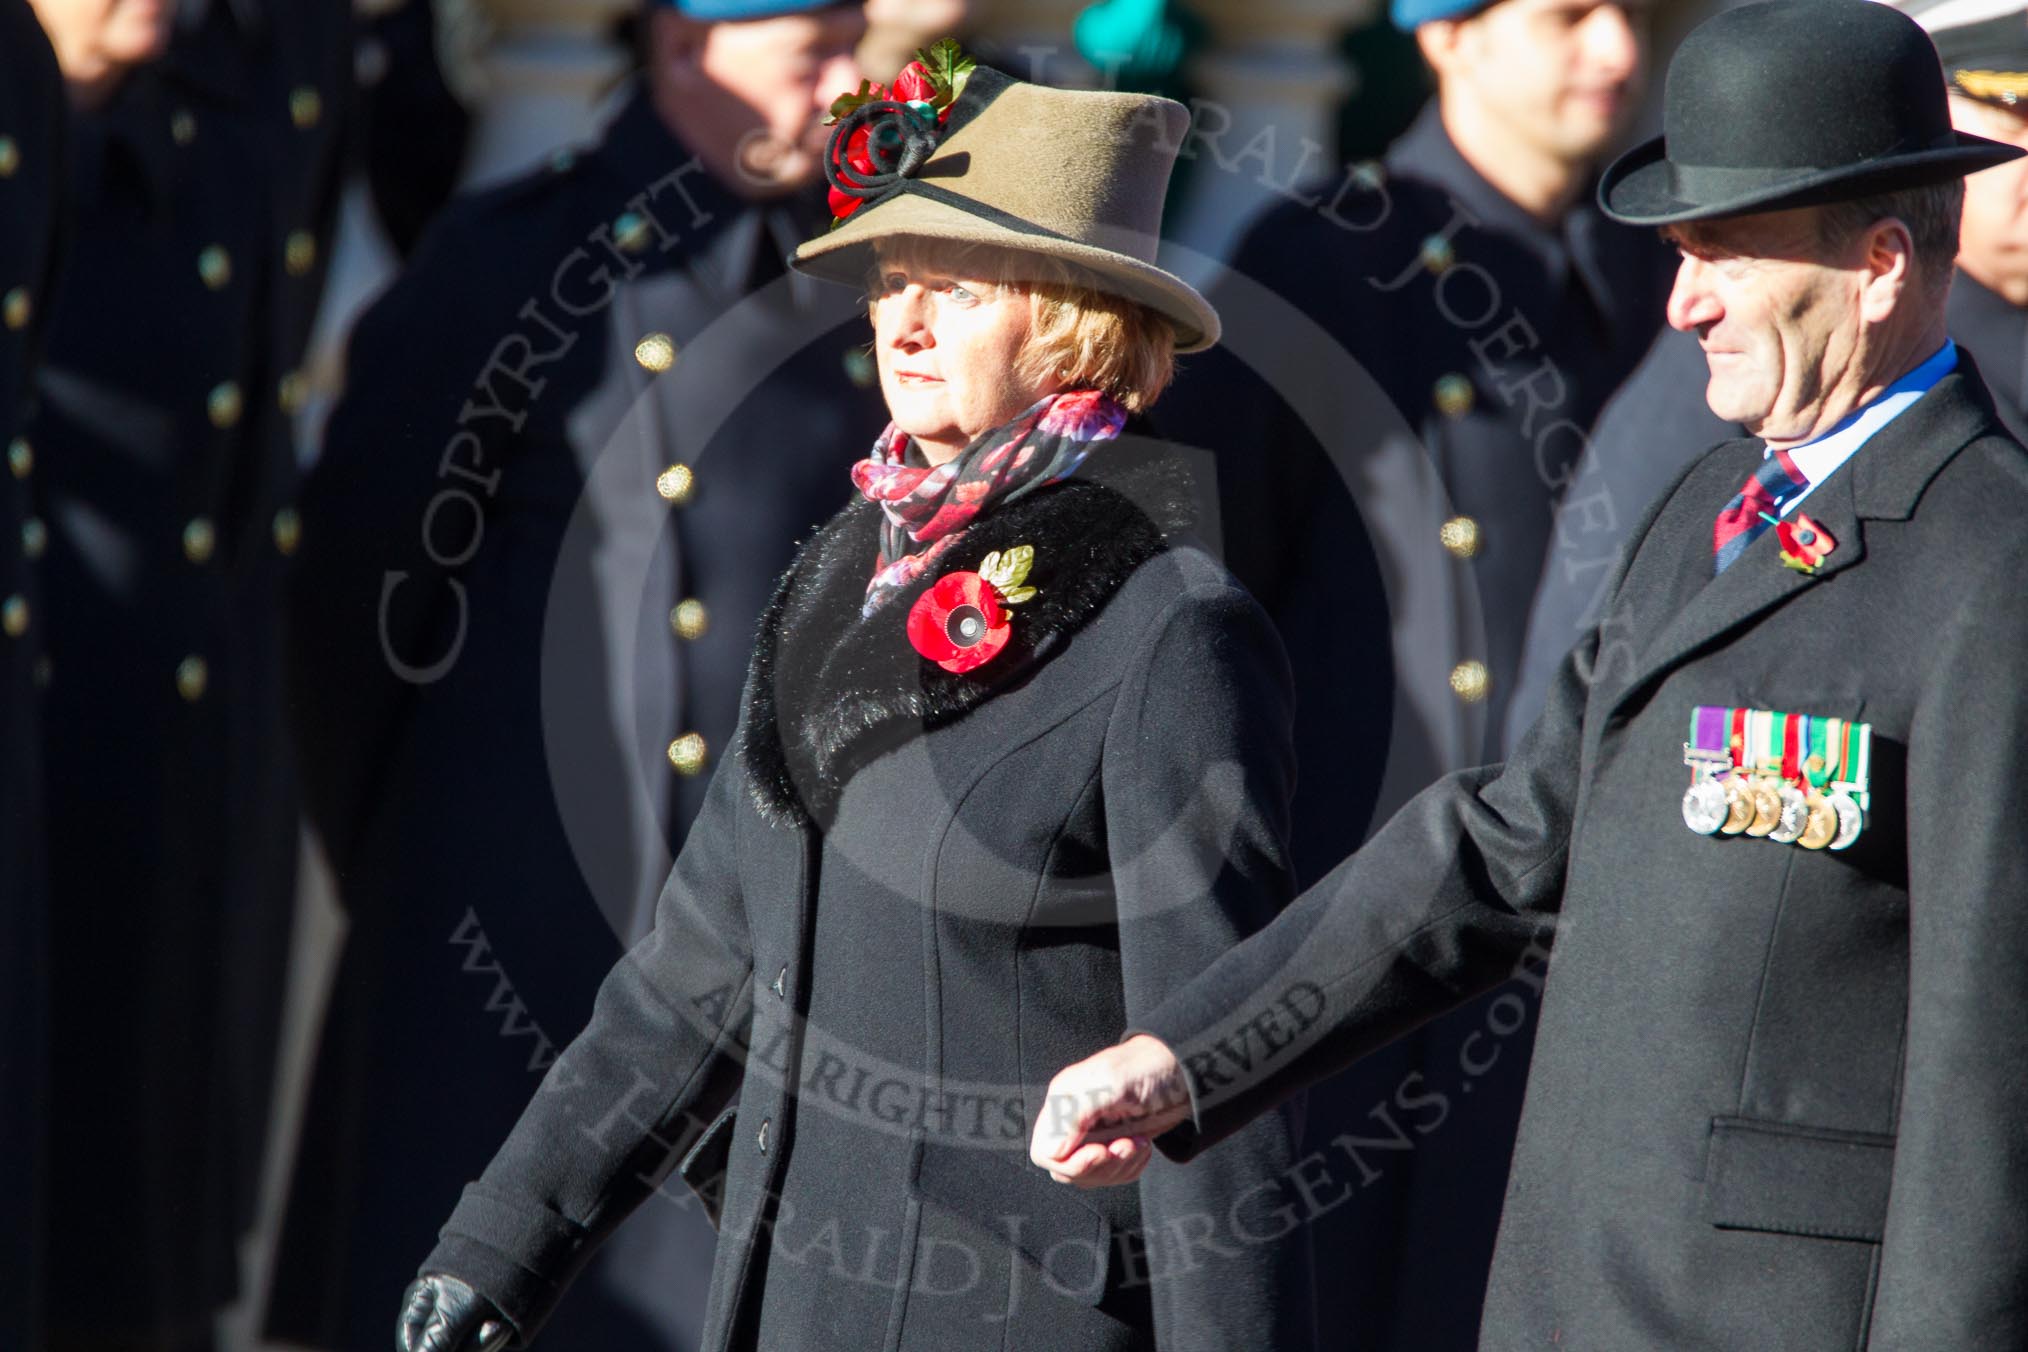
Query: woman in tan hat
(1014,765)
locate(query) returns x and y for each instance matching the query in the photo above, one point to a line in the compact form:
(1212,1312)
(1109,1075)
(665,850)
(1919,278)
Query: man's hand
(442,1314)
(1100,1117)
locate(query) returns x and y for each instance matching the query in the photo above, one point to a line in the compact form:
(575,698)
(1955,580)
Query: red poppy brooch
(885,135)
(1804,543)
(962,622)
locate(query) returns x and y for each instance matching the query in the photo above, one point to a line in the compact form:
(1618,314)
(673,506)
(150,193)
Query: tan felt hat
(1073,174)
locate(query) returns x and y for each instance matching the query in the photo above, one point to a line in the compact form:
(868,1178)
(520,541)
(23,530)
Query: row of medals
(1735,803)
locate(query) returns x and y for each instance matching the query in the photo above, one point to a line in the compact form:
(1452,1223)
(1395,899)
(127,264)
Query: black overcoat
(580,439)
(32,108)
(163,446)
(909,894)
(1776,1099)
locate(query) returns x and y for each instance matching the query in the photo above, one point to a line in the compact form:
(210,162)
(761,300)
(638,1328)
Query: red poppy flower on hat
(959,624)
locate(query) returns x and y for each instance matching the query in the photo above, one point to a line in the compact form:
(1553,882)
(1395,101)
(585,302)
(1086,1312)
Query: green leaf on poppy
(948,68)
(842,106)
(1018,595)
(1008,571)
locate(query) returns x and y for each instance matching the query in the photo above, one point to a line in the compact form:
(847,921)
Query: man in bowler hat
(580,438)
(1775,1100)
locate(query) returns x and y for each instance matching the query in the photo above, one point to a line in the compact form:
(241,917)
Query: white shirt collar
(1821,458)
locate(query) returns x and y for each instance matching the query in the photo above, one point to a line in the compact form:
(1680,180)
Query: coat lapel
(1882,481)
(831,688)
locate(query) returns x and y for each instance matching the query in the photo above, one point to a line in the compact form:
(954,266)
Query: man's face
(1993,241)
(1564,74)
(1776,320)
(97,41)
(754,94)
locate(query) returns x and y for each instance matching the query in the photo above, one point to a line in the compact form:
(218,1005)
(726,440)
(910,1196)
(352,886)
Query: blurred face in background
(1561,76)
(1993,241)
(99,41)
(750,97)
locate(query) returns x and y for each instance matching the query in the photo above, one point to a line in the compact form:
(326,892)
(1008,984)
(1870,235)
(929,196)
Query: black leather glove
(442,1314)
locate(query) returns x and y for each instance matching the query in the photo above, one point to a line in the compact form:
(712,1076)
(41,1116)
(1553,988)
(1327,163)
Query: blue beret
(715,10)
(1409,15)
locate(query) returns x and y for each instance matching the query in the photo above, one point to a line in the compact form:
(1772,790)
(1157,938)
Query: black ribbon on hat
(899,141)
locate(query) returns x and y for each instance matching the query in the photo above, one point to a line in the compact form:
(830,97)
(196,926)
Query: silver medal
(1705,807)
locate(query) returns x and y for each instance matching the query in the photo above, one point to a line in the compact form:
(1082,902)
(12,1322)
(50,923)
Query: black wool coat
(1777,1097)
(910,896)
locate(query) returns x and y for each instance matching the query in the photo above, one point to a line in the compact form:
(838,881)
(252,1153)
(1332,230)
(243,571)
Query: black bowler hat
(1793,103)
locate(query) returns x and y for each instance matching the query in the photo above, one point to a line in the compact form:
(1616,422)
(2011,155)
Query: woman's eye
(962,295)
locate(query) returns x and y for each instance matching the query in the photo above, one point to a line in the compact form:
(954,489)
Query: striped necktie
(1759,498)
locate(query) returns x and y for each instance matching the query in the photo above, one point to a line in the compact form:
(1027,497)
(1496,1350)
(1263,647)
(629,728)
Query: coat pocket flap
(1794,1180)
(1023,1208)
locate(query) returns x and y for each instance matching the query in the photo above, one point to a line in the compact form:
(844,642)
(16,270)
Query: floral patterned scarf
(927,509)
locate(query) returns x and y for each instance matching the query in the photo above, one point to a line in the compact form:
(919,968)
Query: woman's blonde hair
(1079,333)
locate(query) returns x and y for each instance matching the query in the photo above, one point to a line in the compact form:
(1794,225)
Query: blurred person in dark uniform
(1657,423)
(579,440)
(31,173)
(1493,310)
(161,447)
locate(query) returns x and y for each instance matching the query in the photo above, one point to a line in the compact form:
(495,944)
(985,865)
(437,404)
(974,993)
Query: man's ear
(675,45)
(1439,41)
(1890,269)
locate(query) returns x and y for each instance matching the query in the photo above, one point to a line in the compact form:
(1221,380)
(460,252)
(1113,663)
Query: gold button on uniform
(199,540)
(182,126)
(14,616)
(16,308)
(34,537)
(289,393)
(1437,254)
(214,265)
(1470,681)
(288,530)
(688,753)
(631,231)
(676,484)
(20,457)
(1460,537)
(192,675)
(1453,395)
(656,352)
(306,107)
(10,157)
(689,619)
(224,404)
(299,252)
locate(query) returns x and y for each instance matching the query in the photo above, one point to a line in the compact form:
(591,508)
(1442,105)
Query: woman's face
(947,343)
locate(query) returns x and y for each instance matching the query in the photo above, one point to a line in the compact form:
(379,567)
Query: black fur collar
(830,689)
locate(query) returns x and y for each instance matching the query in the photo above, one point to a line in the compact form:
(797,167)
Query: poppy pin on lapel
(962,623)
(1805,544)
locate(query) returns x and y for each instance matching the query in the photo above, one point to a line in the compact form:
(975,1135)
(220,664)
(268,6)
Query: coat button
(34,537)
(193,674)
(1460,537)
(224,404)
(10,157)
(656,352)
(1453,395)
(20,457)
(299,252)
(689,619)
(861,368)
(1437,255)
(760,1138)
(631,231)
(306,107)
(688,753)
(14,616)
(182,126)
(288,529)
(289,393)
(199,539)
(1470,681)
(780,987)
(17,308)
(676,484)
(214,265)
